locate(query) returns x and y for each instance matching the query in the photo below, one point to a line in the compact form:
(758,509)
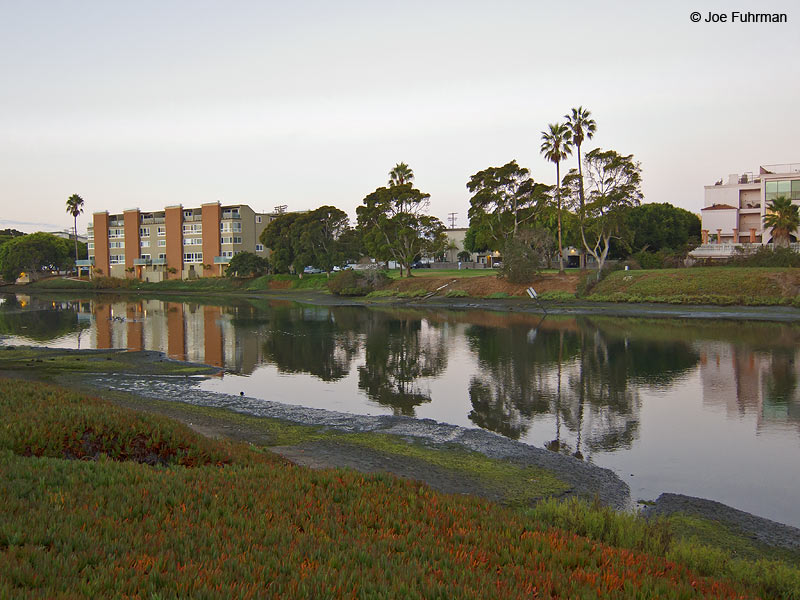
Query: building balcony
(226,215)
(158,261)
(153,221)
(142,262)
(222,260)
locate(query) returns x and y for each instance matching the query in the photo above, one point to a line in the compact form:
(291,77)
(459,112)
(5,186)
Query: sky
(153,103)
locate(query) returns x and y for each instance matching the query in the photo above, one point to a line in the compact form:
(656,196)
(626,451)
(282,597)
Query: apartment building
(734,210)
(176,242)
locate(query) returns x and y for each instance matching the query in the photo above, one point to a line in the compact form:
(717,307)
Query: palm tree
(75,208)
(401,174)
(555,147)
(784,219)
(581,127)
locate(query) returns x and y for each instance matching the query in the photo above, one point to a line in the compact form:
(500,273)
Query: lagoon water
(708,408)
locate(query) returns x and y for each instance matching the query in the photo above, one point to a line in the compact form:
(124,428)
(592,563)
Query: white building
(734,211)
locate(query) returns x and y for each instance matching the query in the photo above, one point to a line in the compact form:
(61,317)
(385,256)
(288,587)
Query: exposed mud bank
(585,480)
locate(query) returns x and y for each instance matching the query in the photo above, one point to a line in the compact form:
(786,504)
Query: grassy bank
(102,502)
(317,281)
(743,286)
(153,510)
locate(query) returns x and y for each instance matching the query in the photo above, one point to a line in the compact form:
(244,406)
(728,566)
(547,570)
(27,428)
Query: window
(162,256)
(790,188)
(230,213)
(144,232)
(144,244)
(193,257)
(227,254)
(145,257)
(259,247)
(187,214)
(162,230)
(90,245)
(192,241)
(116,244)
(230,227)
(235,239)
(116,233)
(116,259)
(162,243)
(193,228)
(258,218)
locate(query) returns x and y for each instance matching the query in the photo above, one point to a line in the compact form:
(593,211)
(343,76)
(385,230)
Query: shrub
(497,295)
(457,294)
(767,257)
(357,283)
(247,264)
(412,294)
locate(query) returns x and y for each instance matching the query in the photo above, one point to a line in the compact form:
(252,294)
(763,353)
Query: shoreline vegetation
(702,286)
(200,514)
(123,487)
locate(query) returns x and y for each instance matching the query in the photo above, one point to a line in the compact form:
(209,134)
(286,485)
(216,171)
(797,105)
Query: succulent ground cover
(215,520)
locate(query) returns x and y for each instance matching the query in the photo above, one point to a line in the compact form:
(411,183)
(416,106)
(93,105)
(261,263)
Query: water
(708,408)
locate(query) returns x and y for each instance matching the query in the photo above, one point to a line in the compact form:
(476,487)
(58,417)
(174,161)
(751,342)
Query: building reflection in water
(584,374)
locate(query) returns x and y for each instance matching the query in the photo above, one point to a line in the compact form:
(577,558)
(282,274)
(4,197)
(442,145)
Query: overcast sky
(145,104)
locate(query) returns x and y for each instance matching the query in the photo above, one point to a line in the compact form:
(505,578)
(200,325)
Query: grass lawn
(99,501)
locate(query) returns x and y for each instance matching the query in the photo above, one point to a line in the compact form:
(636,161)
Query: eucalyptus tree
(504,199)
(783,218)
(556,147)
(614,186)
(581,127)
(394,223)
(75,208)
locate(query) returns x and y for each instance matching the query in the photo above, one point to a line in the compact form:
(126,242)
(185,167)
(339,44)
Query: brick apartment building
(173,243)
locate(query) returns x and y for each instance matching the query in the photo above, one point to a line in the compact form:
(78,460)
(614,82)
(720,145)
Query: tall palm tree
(401,174)
(75,208)
(581,127)
(783,218)
(555,147)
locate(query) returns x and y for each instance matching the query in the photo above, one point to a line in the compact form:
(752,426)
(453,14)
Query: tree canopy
(504,199)
(36,252)
(395,226)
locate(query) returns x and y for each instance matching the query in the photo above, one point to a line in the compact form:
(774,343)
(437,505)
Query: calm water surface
(701,407)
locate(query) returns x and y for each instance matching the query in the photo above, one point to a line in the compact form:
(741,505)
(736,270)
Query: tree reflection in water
(316,340)
(585,373)
(400,350)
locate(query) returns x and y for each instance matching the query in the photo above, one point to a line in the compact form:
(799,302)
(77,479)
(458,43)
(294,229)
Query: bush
(497,295)
(247,264)
(457,294)
(766,257)
(357,283)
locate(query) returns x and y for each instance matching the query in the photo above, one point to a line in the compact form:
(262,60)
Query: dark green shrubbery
(357,283)
(766,257)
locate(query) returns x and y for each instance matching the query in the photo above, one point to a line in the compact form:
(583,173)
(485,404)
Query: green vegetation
(34,253)
(702,285)
(215,520)
(412,293)
(556,296)
(57,361)
(456,294)
(357,283)
(247,264)
(497,295)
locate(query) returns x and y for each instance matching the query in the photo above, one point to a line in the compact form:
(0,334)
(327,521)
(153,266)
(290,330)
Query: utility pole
(281,208)
(452,218)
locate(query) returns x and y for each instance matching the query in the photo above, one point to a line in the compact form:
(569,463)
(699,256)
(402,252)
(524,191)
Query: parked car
(311,270)
(418,264)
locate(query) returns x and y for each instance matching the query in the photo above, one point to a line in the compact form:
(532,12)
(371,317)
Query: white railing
(782,168)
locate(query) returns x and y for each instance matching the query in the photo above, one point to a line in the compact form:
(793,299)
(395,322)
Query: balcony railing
(222,260)
(153,221)
(85,262)
(158,261)
(142,262)
(781,168)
